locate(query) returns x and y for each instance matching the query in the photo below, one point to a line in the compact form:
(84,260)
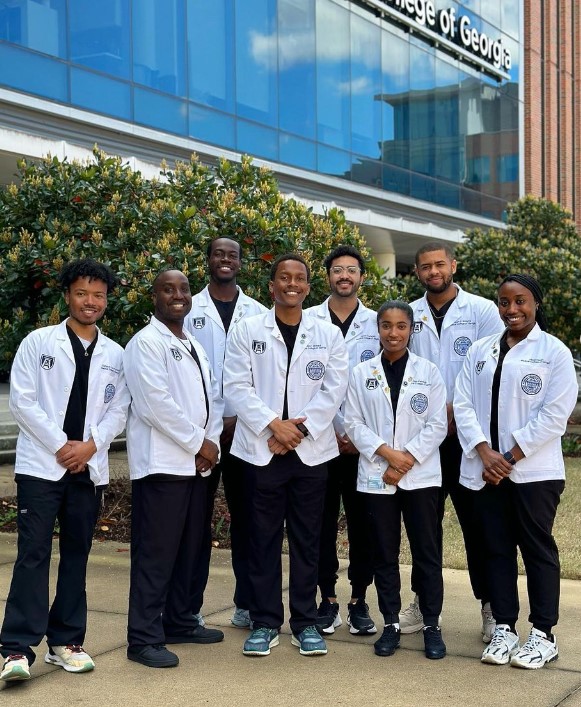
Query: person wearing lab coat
(69,399)
(173,433)
(346,272)
(215,311)
(286,376)
(513,398)
(447,320)
(395,414)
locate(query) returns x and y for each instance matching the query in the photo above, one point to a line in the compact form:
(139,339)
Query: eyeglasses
(351,269)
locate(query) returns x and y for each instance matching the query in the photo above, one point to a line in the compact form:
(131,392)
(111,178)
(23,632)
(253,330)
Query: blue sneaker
(241,618)
(309,642)
(260,641)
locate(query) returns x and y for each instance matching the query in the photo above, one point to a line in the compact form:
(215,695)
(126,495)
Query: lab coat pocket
(531,384)
(313,371)
(461,340)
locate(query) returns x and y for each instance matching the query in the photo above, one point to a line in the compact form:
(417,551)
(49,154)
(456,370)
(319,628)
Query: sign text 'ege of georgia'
(456,28)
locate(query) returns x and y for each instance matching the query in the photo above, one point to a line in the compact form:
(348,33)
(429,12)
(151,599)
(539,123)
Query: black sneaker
(434,646)
(156,656)
(388,642)
(359,621)
(199,634)
(328,617)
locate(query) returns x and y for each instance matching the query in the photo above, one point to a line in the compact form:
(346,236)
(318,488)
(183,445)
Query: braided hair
(534,287)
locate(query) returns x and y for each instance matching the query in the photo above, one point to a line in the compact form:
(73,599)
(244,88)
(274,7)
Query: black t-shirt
(439,314)
(289,334)
(226,310)
(394,376)
(504,349)
(74,424)
(344,326)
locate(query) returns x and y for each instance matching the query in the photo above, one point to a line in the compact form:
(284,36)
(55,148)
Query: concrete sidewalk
(349,675)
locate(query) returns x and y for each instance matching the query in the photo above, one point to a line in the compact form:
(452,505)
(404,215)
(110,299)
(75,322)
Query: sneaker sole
(16,675)
(385,654)
(172,640)
(316,651)
(55,660)
(328,630)
(533,667)
(492,660)
(258,654)
(151,664)
(362,631)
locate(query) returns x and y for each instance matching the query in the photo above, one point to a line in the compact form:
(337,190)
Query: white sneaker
(72,658)
(411,619)
(537,651)
(502,646)
(488,623)
(15,668)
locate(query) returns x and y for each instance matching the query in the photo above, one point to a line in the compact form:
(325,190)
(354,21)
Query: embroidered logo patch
(259,347)
(418,326)
(199,322)
(531,384)
(176,354)
(479,366)
(371,384)
(109,392)
(461,345)
(366,355)
(419,403)
(315,370)
(46,362)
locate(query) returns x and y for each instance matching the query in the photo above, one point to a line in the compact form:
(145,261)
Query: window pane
(296,65)
(257,141)
(365,86)
(160,111)
(256,60)
(35,24)
(395,64)
(100,94)
(211,53)
(333,75)
(211,126)
(33,73)
(334,162)
(422,108)
(159,45)
(100,35)
(297,152)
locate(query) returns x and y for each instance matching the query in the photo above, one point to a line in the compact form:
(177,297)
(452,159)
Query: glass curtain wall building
(408,108)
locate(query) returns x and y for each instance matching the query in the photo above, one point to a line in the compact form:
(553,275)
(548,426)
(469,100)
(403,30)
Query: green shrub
(62,210)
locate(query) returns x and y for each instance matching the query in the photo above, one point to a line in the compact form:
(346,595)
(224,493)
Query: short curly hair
(87,267)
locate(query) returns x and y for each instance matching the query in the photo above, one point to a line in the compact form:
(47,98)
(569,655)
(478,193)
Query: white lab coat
(362,342)
(167,418)
(420,427)
(205,324)
(469,318)
(254,383)
(40,386)
(538,391)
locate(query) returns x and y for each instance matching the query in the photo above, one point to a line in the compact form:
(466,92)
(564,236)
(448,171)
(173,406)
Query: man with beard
(358,324)
(215,312)
(447,320)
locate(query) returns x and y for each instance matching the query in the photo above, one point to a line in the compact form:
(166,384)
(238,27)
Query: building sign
(456,28)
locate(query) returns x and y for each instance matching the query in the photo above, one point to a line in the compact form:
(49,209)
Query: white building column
(387,262)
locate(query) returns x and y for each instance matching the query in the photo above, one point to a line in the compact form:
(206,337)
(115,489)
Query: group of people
(297,411)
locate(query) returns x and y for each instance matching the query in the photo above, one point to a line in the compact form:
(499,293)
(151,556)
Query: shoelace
(262,632)
(498,637)
(16,656)
(310,632)
(531,644)
(75,649)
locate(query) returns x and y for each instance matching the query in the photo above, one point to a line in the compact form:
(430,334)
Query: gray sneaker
(241,618)
(411,619)
(488,623)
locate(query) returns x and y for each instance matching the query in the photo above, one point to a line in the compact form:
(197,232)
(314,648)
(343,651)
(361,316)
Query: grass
(566,530)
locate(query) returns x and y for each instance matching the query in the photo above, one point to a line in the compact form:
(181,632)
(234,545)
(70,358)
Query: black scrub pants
(285,489)
(167,525)
(232,471)
(463,501)
(521,515)
(74,502)
(342,483)
(419,510)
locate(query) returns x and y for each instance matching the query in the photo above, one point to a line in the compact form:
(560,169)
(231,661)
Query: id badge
(375,482)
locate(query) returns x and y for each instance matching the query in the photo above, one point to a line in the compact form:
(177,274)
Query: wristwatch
(301,428)
(509,458)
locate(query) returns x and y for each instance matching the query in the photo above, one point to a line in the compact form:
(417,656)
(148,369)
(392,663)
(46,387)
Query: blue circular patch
(419,403)
(461,345)
(366,355)
(109,392)
(531,384)
(315,370)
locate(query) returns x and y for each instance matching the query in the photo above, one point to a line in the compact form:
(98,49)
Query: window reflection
(36,24)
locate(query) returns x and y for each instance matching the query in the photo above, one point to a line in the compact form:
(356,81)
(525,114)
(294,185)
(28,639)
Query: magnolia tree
(62,210)
(540,239)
